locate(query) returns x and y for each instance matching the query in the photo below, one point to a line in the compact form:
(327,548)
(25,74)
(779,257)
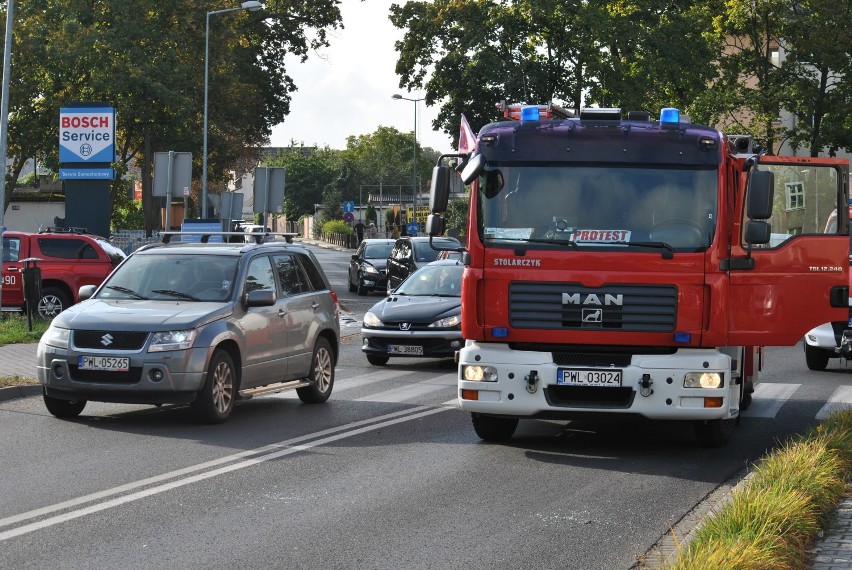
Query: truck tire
(714,433)
(816,358)
(491,428)
(53,301)
(64,409)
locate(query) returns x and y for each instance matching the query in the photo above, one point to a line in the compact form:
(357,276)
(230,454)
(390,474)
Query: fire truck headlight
(703,380)
(477,373)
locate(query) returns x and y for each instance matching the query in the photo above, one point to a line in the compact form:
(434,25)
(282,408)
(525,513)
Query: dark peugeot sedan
(422,317)
(367,266)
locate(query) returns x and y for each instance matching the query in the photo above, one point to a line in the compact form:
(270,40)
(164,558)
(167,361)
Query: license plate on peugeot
(410,350)
(580,377)
(106,363)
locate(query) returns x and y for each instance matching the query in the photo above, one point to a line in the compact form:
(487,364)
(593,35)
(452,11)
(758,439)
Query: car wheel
(490,428)
(349,283)
(714,433)
(377,360)
(816,358)
(53,301)
(322,375)
(63,408)
(215,400)
(361,289)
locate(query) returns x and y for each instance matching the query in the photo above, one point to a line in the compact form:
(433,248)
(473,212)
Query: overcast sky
(347,91)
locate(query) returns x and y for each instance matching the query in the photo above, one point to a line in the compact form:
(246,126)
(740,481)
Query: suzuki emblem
(106,340)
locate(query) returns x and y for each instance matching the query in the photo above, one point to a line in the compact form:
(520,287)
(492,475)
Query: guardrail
(344,240)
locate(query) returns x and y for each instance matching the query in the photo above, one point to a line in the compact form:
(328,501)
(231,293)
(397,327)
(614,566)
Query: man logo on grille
(107,339)
(592,315)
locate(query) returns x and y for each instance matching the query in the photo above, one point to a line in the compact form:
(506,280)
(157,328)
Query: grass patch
(6,381)
(14,329)
(771,521)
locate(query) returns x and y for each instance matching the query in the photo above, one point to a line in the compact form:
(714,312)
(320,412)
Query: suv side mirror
(86,292)
(260,298)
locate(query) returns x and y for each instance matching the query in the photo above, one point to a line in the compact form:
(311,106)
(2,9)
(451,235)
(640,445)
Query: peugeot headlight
(703,380)
(477,373)
(371,320)
(55,336)
(172,340)
(446,323)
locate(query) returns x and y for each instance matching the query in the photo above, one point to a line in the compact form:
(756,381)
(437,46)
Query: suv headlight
(55,336)
(703,380)
(446,323)
(172,340)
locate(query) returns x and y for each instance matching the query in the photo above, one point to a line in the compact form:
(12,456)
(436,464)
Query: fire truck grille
(561,306)
(110,340)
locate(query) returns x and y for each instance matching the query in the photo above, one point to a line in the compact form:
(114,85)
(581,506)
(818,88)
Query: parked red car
(68,260)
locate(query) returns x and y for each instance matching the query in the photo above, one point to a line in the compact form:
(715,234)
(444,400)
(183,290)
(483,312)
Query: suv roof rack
(259,237)
(60,230)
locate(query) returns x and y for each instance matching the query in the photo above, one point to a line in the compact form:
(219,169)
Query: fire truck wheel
(714,433)
(490,428)
(816,358)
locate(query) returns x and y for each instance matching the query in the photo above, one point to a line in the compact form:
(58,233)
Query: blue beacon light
(530,113)
(669,115)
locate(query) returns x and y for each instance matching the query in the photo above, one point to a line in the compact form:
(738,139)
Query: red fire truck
(627,266)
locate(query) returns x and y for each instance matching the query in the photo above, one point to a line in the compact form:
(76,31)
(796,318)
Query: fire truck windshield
(612,206)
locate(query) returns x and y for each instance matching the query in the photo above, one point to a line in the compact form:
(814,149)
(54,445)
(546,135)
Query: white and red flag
(467,140)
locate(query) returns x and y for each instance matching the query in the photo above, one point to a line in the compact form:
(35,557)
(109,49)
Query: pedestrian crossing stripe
(842,398)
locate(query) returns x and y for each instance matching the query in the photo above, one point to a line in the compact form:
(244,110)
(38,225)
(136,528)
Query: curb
(25,391)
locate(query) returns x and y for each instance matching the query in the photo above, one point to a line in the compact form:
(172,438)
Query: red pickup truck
(68,260)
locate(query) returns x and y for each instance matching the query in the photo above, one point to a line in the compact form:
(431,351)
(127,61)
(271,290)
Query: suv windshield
(592,207)
(173,277)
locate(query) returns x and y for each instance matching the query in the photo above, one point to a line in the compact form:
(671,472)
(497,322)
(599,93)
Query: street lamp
(414,161)
(251,6)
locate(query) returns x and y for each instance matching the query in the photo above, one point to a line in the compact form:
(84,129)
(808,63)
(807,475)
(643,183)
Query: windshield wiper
(130,292)
(179,294)
(572,243)
(668,254)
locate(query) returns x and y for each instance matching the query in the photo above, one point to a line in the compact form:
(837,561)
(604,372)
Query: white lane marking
(199,467)
(840,399)
(367,379)
(768,398)
(402,393)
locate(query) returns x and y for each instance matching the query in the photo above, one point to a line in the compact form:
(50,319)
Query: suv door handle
(13,268)
(282,312)
(315,305)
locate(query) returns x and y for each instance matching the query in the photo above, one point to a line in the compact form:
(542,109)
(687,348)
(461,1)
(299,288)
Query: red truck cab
(67,260)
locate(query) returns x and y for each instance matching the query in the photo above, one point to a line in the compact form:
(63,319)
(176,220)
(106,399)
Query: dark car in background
(203,324)
(422,317)
(411,253)
(367,266)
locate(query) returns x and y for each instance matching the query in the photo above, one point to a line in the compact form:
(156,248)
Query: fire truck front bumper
(691,384)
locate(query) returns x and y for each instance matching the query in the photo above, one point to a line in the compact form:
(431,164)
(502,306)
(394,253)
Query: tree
(148,61)
(308,172)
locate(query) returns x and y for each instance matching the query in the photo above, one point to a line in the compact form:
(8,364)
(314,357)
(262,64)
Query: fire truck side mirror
(474,168)
(439,193)
(761,192)
(435,225)
(757,232)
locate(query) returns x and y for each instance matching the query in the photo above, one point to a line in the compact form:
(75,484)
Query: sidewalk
(18,360)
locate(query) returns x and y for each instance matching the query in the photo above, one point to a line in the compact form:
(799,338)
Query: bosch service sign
(86,134)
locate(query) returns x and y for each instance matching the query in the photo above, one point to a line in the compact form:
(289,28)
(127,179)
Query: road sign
(269,190)
(349,206)
(412,228)
(180,176)
(348,217)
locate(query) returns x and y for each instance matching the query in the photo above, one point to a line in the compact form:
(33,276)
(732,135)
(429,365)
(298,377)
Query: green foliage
(309,171)
(456,215)
(769,523)
(127,216)
(337,227)
(371,215)
(14,329)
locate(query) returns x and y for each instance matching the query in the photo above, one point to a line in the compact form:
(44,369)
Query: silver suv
(198,323)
